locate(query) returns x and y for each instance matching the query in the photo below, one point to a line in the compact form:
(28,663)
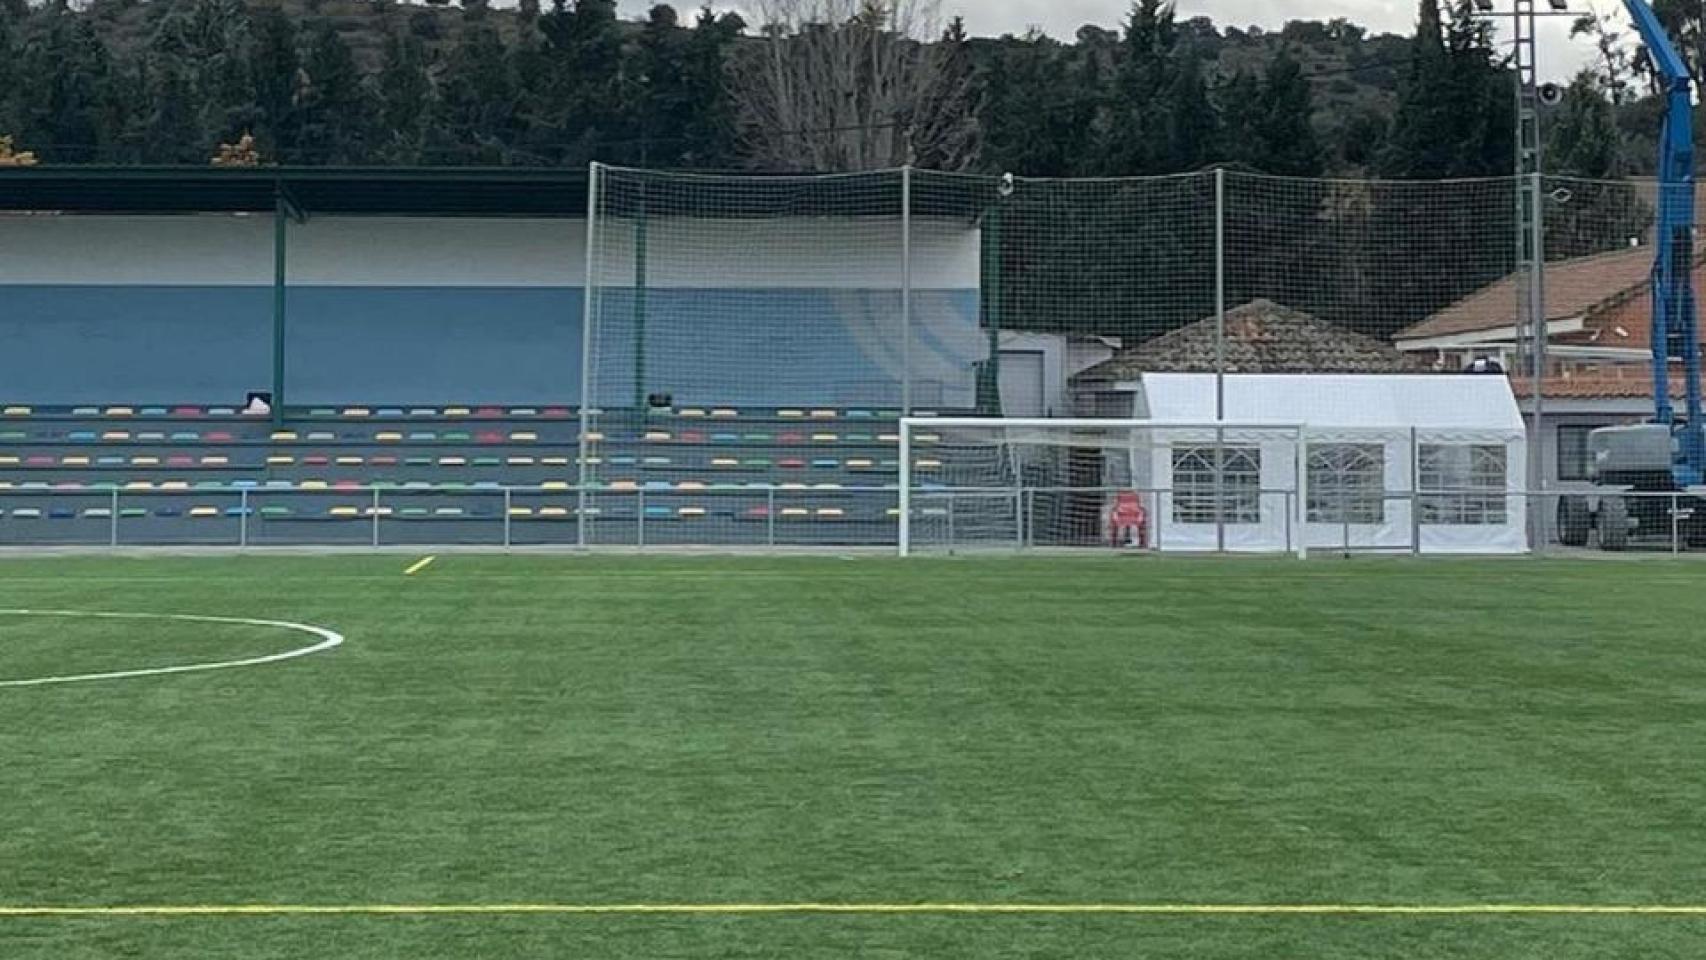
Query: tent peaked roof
(1261,337)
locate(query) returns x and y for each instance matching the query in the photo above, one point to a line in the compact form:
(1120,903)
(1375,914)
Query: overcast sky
(1559,56)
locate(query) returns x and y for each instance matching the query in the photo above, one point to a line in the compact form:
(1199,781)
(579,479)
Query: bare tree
(854,85)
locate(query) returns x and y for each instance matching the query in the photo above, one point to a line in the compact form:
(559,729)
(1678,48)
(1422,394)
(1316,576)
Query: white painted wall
(226,250)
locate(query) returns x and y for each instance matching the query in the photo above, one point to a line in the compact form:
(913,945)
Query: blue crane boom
(1674,332)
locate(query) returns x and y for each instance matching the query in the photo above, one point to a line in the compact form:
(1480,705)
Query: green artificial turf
(716,730)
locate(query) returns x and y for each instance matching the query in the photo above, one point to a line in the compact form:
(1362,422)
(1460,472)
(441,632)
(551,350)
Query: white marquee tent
(1395,460)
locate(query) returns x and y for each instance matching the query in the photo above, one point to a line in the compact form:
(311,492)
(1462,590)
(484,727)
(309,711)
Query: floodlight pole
(1531,227)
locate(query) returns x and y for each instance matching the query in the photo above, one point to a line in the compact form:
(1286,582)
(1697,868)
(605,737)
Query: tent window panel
(1194,486)
(1347,483)
(1470,478)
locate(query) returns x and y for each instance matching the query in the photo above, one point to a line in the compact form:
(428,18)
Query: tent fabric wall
(1400,412)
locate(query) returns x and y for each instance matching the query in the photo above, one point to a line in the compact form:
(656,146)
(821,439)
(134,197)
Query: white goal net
(991,483)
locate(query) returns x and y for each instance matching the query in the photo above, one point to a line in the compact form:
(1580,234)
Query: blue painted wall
(505,345)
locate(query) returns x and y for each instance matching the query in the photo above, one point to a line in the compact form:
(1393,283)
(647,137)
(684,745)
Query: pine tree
(1193,127)
(1285,121)
(1135,128)
(405,99)
(476,120)
(336,108)
(274,72)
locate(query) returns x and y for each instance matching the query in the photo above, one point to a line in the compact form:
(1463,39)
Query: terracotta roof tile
(1607,291)
(1630,384)
(1261,337)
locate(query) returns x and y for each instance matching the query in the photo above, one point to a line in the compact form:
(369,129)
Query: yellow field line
(418,566)
(754,909)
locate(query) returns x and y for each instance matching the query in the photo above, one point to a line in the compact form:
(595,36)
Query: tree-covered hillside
(379,81)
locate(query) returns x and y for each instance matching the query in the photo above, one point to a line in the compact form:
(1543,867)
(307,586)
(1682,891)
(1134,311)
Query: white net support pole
(905,486)
(589,312)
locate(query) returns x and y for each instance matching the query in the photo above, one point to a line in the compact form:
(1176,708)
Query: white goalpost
(970,483)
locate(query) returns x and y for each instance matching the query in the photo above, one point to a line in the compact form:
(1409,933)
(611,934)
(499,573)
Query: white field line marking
(418,566)
(327,640)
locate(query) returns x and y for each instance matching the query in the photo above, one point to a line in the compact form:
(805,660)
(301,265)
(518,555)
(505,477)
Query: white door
(1022,383)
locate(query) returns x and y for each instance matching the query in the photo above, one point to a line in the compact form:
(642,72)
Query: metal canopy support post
(589,315)
(906,291)
(640,280)
(280,220)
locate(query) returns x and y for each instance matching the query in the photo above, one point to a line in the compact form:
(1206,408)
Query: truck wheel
(1613,523)
(1575,520)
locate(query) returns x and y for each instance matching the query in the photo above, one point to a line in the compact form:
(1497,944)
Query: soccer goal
(981,483)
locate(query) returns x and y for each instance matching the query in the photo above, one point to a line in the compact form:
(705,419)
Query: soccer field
(552,734)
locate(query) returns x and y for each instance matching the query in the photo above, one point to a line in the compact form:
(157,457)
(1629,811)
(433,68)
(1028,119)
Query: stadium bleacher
(187,473)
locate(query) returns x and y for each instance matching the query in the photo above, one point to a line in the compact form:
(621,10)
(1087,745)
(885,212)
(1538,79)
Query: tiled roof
(1621,383)
(1261,337)
(1608,291)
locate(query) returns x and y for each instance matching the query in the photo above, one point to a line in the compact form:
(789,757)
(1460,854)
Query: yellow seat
(16,411)
(524,436)
(456,411)
(345,511)
(791,414)
(284,434)
(553,511)
(119,411)
(690,412)
(280,461)
(521,511)
(593,436)
(204,511)
(387,436)
(823,414)
(75,461)
(175,485)
(554,485)
(139,485)
(312,485)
